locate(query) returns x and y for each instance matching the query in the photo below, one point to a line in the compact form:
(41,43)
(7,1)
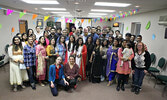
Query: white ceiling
(86,6)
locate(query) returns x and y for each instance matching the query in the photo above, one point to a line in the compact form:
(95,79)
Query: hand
(93,53)
(133,71)
(145,71)
(65,82)
(52,85)
(16,60)
(46,57)
(21,61)
(57,53)
(28,67)
(68,77)
(90,61)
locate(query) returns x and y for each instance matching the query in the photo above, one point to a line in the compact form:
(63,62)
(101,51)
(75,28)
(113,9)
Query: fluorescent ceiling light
(97,14)
(102,10)
(60,12)
(94,16)
(40,1)
(62,9)
(112,4)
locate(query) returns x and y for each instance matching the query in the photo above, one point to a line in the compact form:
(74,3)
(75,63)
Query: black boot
(133,89)
(122,87)
(137,90)
(118,88)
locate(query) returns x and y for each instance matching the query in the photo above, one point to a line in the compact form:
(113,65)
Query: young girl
(126,54)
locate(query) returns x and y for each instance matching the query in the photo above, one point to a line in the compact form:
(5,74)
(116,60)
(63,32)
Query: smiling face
(72,60)
(17,41)
(53,42)
(80,41)
(58,60)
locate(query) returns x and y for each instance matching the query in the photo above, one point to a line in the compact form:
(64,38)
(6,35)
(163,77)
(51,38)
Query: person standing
(140,66)
(29,54)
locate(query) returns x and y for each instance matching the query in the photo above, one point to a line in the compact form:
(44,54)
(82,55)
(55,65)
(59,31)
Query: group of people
(59,57)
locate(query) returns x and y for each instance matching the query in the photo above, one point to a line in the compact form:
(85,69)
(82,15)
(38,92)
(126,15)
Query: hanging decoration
(34,16)
(148,25)
(9,11)
(46,17)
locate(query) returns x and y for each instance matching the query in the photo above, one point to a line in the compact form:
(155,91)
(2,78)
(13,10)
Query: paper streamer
(153,37)
(34,16)
(0,26)
(66,19)
(123,16)
(111,19)
(34,23)
(22,14)
(46,17)
(96,20)
(127,28)
(56,18)
(101,20)
(148,25)
(12,29)
(89,20)
(114,18)
(82,20)
(9,11)
(73,20)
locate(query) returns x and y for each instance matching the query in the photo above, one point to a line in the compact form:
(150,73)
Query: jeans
(138,77)
(31,74)
(57,82)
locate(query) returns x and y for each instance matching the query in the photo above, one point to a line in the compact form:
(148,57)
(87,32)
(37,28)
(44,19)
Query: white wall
(157,46)
(10,21)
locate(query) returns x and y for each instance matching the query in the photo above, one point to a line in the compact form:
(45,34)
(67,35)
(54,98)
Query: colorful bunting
(34,23)
(66,19)
(110,18)
(0,26)
(46,17)
(34,16)
(148,25)
(101,20)
(127,28)
(9,11)
(74,20)
(153,37)
(89,20)
(56,18)
(22,14)
(82,20)
(12,29)
(114,18)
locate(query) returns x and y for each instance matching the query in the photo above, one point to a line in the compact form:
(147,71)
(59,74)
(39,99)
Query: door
(23,26)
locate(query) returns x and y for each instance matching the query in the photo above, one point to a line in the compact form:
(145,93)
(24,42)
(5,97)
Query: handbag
(22,66)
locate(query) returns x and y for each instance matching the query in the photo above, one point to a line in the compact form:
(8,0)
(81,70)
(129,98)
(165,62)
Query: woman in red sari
(80,52)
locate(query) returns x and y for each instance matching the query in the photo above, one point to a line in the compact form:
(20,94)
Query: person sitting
(56,76)
(71,72)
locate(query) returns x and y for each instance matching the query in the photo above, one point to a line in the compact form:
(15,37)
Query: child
(126,54)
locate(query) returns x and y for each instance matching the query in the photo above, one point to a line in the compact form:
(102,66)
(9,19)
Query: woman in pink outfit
(123,71)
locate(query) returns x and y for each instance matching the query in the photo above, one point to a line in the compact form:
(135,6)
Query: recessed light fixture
(137,6)
(102,10)
(76,3)
(40,1)
(60,12)
(112,4)
(97,14)
(61,9)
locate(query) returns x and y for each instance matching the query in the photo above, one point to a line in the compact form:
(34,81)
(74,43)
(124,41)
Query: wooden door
(23,26)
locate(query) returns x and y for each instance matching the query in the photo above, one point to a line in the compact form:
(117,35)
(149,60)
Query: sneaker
(137,91)
(133,89)
(15,89)
(122,88)
(102,78)
(23,87)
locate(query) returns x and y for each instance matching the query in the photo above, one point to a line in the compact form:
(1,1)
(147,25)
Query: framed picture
(40,23)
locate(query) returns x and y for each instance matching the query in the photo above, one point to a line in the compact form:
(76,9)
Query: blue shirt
(61,50)
(29,54)
(52,73)
(95,36)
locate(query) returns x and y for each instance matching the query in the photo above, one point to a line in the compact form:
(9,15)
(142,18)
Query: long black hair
(69,44)
(15,46)
(51,40)
(64,40)
(29,31)
(106,44)
(117,41)
(23,35)
(87,40)
(99,42)
(77,44)
(39,42)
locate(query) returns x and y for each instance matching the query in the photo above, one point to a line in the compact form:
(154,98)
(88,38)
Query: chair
(154,70)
